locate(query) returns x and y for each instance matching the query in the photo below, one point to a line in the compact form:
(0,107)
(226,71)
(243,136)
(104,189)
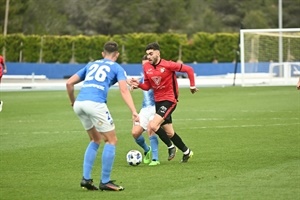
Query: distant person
(91,108)
(215,61)
(159,75)
(3,70)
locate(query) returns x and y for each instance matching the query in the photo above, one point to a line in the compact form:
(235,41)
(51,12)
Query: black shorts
(165,110)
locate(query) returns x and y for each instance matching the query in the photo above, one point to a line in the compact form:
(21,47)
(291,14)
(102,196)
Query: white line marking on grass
(237,126)
(232,119)
(43,132)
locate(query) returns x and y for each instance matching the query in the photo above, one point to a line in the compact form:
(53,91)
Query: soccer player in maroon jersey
(159,74)
(3,70)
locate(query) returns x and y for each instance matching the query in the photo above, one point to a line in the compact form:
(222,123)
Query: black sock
(163,136)
(176,139)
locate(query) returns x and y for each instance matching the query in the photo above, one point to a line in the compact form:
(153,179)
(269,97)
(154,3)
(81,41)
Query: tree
(45,17)
(110,17)
(255,19)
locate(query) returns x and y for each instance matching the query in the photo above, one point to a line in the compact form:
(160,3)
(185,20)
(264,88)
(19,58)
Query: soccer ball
(134,157)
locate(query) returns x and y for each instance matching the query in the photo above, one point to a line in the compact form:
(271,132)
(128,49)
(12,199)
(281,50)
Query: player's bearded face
(153,56)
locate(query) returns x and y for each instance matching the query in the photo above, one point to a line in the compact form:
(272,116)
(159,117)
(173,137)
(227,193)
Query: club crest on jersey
(156,79)
(100,123)
(162,70)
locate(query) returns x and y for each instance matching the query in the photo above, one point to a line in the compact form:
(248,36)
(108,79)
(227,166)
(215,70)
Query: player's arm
(71,82)
(4,66)
(190,72)
(125,93)
(145,85)
(132,84)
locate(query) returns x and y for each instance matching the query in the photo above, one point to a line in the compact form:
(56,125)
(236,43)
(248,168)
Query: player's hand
(133,88)
(134,82)
(135,117)
(193,89)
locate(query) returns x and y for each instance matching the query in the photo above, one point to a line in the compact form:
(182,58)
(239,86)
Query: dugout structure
(269,56)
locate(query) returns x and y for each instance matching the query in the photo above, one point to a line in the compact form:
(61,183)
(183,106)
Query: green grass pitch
(246,143)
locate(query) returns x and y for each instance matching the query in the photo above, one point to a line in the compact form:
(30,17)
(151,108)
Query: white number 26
(97,72)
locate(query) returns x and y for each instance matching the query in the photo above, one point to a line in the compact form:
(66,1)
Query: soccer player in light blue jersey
(146,114)
(90,107)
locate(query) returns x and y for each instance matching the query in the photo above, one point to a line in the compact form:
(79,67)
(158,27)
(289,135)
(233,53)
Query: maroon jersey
(162,79)
(1,65)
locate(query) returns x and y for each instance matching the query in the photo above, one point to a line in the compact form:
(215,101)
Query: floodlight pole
(6,17)
(5,24)
(280,56)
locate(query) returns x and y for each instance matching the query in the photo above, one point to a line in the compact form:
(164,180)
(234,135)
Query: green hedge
(57,49)
(32,48)
(201,47)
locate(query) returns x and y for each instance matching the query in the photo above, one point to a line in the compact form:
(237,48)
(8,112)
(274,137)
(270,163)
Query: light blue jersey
(148,99)
(98,76)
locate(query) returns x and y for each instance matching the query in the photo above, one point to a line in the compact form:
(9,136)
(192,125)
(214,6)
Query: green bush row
(201,47)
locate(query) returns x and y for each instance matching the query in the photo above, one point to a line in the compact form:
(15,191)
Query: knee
(96,140)
(153,127)
(135,134)
(170,134)
(114,141)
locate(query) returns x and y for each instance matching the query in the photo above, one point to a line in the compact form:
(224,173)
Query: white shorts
(94,114)
(146,114)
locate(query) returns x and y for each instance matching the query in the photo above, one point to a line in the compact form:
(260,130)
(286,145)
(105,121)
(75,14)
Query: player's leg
(91,152)
(154,149)
(1,105)
(92,148)
(107,130)
(136,132)
(1,102)
(138,129)
(150,110)
(176,139)
(108,157)
(155,126)
(163,109)
(89,159)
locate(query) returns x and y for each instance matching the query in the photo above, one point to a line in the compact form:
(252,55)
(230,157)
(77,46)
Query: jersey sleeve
(179,67)
(145,85)
(81,73)
(121,73)
(1,60)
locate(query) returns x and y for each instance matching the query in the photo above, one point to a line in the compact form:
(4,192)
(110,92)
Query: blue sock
(89,158)
(141,142)
(108,157)
(154,147)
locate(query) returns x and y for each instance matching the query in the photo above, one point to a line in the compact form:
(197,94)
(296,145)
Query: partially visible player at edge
(146,114)
(159,74)
(91,108)
(298,84)
(3,70)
